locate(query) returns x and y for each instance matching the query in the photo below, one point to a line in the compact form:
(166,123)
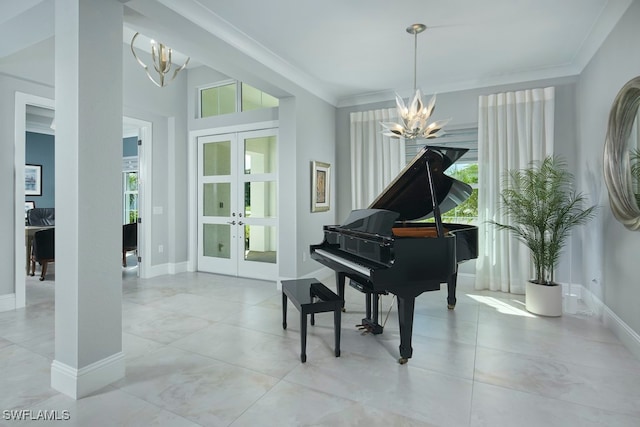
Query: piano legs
(451,291)
(405,318)
(406,306)
(340,277)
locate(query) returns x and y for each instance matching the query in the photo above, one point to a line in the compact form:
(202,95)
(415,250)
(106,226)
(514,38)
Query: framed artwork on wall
(33,180)
(320,186)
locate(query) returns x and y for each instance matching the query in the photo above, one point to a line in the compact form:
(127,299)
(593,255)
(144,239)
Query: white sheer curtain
(514,129)
(375,159)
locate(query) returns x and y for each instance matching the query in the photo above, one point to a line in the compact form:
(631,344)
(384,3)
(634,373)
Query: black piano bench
(310,297)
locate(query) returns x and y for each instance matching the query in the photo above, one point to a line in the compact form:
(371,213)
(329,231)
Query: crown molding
(225,31)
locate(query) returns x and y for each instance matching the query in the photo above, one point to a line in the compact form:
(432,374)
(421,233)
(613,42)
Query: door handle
(231,222)
(240,222)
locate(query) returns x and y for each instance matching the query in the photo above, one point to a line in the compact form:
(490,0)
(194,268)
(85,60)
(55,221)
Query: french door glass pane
(216,240)
(260,155)
(216,158)
(216,199)
(260,199)
(260,243)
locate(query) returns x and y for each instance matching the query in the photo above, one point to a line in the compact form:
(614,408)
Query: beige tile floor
(209,350)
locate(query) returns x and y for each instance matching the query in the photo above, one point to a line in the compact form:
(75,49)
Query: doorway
(237,203)
(143,129)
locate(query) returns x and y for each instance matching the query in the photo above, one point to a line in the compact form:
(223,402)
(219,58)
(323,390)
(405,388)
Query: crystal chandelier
(161,56)
(414,116)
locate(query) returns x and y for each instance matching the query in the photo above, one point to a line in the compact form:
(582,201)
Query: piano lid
(371,221)
(409,195)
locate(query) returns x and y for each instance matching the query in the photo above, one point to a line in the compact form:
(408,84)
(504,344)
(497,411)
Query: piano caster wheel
(451,306)
(402,360)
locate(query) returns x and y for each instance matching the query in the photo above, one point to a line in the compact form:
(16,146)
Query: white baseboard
(629,338)
(178,267)
(78,383)
(7,302)
(167,268)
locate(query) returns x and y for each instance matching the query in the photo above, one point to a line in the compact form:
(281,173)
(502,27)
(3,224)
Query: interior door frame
(145,135)
(192,251)
(20,141)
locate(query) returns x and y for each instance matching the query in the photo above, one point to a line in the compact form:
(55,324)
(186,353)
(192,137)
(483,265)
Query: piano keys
(386,249)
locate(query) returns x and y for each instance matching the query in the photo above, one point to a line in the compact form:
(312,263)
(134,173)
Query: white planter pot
(544,300)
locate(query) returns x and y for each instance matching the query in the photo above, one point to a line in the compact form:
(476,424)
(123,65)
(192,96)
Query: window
(130,200)
(129,189)
(255,99)
(464,169)
(218,100)
(466,212)
(225,99)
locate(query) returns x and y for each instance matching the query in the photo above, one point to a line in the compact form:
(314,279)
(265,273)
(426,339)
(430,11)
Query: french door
(237,204)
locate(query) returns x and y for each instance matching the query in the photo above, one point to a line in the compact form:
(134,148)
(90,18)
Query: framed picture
(33,180)
(320,186)
(27,207)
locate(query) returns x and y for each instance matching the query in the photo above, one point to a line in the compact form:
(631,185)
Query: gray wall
(166,109)
(611,251)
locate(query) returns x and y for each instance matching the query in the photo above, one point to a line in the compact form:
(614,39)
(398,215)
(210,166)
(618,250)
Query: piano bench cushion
(310,296)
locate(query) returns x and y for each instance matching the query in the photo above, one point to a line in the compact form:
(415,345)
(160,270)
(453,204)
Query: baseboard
(167,268)
(629,338)
(178,267)
(7,302)
(78,383)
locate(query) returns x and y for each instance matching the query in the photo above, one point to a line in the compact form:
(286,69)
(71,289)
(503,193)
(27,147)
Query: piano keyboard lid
(409,193)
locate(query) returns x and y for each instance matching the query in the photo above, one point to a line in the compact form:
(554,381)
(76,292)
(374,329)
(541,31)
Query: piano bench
(310,297)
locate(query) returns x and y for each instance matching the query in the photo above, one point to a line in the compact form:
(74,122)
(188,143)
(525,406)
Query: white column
(88,288)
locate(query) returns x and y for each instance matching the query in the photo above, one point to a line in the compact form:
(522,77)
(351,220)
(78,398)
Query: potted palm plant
(542,208)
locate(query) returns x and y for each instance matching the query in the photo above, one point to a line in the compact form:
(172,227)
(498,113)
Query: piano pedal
(364,329)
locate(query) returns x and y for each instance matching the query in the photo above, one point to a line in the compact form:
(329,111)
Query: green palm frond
(542,208)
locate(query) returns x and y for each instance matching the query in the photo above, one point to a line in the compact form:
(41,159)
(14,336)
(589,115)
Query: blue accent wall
(40,150)
(130,147)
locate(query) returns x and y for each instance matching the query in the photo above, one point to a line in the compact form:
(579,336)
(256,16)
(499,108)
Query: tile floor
(209,350)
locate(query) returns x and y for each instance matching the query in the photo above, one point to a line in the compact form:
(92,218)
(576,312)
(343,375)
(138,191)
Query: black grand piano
(384,249)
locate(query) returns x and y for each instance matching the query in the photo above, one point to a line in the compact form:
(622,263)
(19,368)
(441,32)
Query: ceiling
(355,51)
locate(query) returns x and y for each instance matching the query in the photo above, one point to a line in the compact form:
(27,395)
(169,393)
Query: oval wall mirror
(622,156)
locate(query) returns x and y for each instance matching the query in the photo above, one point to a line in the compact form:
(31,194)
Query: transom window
(225,98)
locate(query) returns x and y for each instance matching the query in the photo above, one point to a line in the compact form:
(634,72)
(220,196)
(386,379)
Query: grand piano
(384,249)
